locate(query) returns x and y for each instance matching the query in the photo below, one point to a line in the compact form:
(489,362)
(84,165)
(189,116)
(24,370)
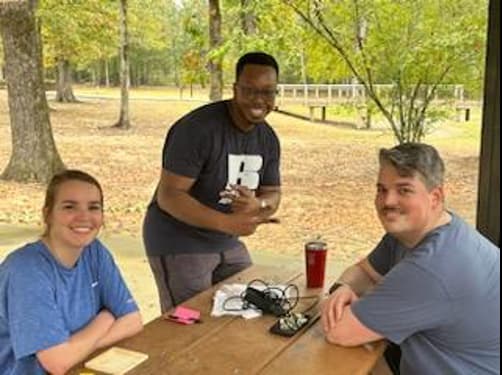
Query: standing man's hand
(247,210)
(332,308)
(240,224)
(243,199)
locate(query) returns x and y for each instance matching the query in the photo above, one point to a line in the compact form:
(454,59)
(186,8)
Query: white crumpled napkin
(233,291)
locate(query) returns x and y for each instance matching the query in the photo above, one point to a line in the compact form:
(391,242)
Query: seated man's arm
(173,197)
(356,281)
(361,277)
(349,331)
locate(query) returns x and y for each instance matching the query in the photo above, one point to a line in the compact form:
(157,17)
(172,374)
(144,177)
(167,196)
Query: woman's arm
(125,326)
(104,330)
(60,358)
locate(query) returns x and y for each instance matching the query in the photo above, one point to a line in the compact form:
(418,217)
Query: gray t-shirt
(439,301)
(207,146)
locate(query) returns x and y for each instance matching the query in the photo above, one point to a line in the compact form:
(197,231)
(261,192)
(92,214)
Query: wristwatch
(335,286)
(263,204)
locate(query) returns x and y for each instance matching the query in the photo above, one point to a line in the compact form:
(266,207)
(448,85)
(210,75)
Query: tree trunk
(123,122)
(34,155)
(94,77)
(248,18)
(369,114)
(64,91)
(175,68)
(107,74)
(216,89)
(303,67)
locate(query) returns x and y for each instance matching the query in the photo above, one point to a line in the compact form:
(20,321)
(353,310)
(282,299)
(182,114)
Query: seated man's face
(404,205)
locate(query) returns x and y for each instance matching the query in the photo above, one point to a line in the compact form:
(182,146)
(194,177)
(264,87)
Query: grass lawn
(328,171)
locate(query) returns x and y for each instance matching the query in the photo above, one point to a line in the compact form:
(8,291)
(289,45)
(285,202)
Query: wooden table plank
(164,341)
(311,354)
(243,346)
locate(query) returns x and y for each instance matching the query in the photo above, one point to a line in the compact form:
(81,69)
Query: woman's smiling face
(76,216)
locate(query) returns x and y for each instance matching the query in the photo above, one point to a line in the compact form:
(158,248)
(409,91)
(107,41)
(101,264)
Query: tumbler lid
(316,245)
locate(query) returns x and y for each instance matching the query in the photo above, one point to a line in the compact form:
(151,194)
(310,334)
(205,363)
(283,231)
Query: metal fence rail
(326,94)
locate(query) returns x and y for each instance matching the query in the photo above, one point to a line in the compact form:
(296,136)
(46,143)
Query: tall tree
(195,43)
(215,57)
(124,122)
(34,155)
(417,45)
(64,89)
(248,17)
(1,60)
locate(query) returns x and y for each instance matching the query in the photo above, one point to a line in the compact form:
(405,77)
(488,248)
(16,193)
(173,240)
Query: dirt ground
(328,174)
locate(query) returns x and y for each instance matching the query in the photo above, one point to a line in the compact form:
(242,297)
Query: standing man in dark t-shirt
(219,180)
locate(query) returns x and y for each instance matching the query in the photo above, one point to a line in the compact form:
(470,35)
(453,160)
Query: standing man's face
(405,207)
(254,92)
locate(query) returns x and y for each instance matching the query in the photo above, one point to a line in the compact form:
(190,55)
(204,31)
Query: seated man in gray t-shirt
(432,284)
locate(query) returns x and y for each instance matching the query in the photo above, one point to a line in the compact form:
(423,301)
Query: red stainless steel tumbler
(315,259)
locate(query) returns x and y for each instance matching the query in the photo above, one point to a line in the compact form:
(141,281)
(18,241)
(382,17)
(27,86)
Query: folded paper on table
(116,361)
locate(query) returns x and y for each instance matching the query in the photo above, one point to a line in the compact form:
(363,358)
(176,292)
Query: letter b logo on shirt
(243,170)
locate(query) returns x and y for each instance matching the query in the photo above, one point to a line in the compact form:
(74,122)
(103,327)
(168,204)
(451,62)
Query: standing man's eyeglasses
(252,93)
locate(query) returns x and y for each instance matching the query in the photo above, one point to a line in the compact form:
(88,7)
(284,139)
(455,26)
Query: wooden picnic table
(234,345)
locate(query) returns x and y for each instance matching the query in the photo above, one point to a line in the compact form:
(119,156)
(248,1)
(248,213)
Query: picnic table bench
(463,112)
(312,108)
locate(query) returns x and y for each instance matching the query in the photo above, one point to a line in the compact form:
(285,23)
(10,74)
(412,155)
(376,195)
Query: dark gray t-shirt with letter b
(205,145)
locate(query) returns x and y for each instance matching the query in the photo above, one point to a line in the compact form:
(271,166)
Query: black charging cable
(259,295)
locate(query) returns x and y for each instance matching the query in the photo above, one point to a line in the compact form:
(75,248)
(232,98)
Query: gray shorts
(181,276)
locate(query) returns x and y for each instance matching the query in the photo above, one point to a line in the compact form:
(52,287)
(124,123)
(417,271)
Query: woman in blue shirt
(62,297)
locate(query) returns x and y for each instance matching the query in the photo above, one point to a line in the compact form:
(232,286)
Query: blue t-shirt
(440,301)
(43,303)
(205,145)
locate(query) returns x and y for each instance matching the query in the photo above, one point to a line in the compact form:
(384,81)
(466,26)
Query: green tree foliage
(414,44)
(194,45)
(79,31)
(150,36)
(281,32)
(266,35)
(169,39)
